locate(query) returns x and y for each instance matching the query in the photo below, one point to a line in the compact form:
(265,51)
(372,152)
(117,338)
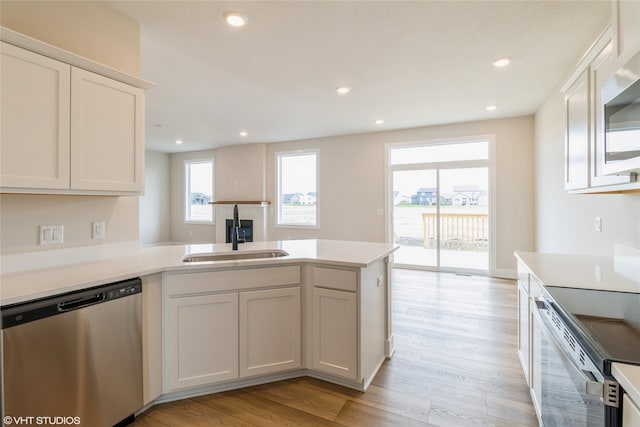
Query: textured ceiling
(410,63)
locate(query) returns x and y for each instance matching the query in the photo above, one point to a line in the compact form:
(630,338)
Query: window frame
(187,187)
(278,214)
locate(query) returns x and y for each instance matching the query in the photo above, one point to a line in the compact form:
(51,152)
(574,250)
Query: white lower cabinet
(630,412)
(201,340)
(269,331)
(229,324)
(335,339)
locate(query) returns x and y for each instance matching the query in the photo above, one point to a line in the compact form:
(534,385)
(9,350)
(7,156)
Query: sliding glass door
(440,208)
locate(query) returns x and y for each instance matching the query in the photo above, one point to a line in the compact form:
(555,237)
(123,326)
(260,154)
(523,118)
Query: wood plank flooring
(455,365)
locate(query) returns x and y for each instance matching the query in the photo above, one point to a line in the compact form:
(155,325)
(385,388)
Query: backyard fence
(463,232)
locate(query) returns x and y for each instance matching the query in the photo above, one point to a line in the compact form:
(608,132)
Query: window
(297,189)
(199,190)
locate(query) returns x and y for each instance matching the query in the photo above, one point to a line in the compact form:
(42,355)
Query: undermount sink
(229,256)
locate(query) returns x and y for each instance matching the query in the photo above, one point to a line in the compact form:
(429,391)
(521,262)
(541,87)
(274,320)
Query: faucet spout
(235,229)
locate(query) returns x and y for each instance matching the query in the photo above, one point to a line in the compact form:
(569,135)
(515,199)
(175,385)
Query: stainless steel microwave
(621,113)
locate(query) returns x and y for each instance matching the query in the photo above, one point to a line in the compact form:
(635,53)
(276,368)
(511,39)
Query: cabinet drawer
(225,280)
(344,280)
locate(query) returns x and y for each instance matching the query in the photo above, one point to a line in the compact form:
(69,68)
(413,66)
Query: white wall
(22,214)
(88,28)
(181,232)
(240,172)
(352,187)
(155,205)
(352,183)
(565,222)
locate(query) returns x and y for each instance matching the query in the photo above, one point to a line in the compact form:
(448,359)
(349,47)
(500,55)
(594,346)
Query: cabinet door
(524,316)
(107,134)
(152,337)
(577,134)
(35,120)
(335,346)
(536,358)
(269,331)
(201,345)
(630,412)
(626,16)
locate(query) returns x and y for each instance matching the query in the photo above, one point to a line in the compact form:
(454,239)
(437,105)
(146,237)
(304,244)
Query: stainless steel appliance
(583,332)
(74,359)
(621,104)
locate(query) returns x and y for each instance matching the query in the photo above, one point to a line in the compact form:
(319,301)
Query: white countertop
(581,271)
(629,378)
(133,260)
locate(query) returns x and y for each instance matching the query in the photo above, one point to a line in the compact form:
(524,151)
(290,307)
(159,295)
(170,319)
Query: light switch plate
(597,224)
(99,230)
(51,234)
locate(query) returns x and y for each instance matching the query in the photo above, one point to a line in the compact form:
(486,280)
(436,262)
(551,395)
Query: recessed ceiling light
(179,141)
(491,107)
(501,62)
(343,89)
(379,121)
(243,133)
(235,19)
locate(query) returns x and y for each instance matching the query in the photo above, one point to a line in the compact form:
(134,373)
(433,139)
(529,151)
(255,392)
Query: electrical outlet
(51,234)
(99,230)
(597,224)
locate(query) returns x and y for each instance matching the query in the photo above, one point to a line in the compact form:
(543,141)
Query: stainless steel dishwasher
(74,359)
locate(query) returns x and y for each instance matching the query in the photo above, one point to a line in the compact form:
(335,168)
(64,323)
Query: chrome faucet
(235,229)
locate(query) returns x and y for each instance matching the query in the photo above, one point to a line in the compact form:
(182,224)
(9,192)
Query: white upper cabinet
(107,134)
(35,120)
(584,131)
(626,27)
(66,130)
(577,133)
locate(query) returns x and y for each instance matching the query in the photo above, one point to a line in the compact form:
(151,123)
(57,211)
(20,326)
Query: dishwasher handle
(85,301)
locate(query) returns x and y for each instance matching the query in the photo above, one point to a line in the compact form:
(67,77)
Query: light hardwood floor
(455,365)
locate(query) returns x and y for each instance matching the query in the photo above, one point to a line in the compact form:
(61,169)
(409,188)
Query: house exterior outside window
(199,191)
(297,189)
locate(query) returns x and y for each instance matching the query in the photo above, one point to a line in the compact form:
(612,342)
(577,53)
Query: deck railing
(462,232)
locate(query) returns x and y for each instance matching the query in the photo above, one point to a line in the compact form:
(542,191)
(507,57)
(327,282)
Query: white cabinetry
(535,351)
(335,336)
(269,331)
(152,337)
(584,133)
(529,333)
(524,321)
(349,323)
(577,133)
(66,130)
(35,95)
(107,134)
(630,412)
(626,30)
(201,340)
(230,324)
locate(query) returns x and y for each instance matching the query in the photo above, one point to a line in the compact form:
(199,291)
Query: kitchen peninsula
(321,308)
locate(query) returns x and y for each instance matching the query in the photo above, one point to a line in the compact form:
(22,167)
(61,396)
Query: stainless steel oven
(574,391)
(621,108)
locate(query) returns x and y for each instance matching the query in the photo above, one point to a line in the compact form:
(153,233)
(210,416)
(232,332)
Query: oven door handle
(593,387)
